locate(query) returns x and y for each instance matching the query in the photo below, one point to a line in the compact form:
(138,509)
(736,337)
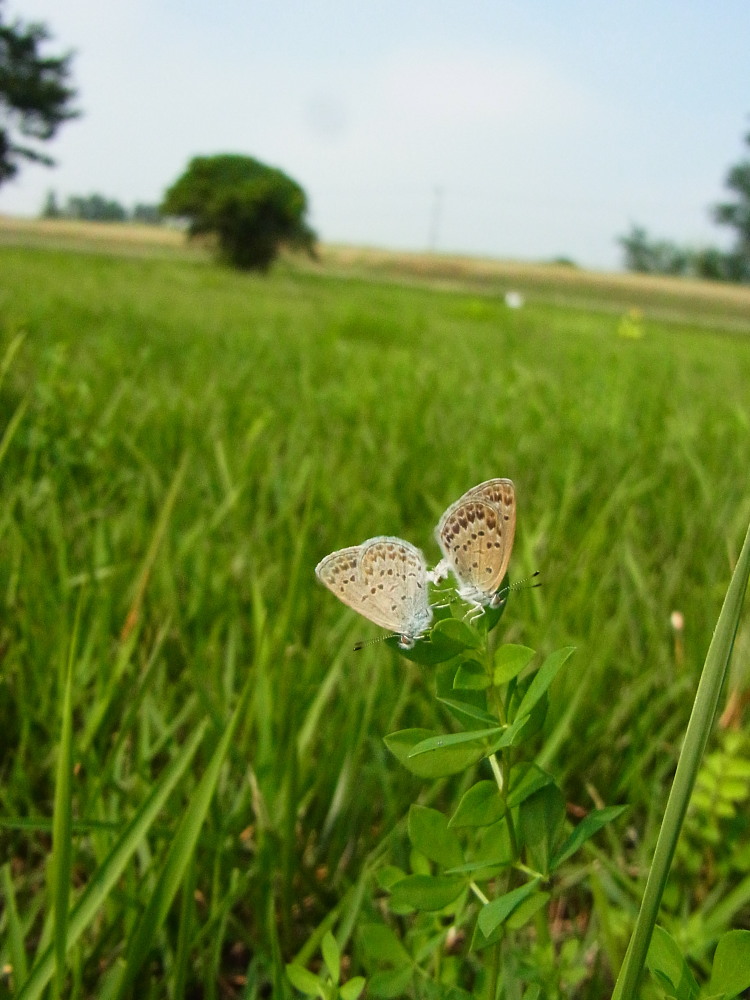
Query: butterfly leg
(475,612)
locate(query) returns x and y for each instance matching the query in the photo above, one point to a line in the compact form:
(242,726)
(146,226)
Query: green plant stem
(478,893)
(494,971)
(498,773)
(696,736)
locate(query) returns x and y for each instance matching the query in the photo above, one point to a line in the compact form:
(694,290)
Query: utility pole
(437,206)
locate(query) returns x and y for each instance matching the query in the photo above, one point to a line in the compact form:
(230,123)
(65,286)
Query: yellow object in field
(631,325)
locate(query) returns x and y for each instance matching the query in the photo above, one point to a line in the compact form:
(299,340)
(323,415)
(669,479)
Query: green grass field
(180,445)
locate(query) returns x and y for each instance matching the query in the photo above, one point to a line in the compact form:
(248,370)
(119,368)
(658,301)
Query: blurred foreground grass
(179,446)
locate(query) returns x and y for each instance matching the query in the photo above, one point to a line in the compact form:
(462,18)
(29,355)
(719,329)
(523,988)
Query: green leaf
(458,632)
(439,763)
(543,679)
(495,844)
(388,875)
(498,911)
(331,955)
(429,833)
(511,736)
(471,676)
(523,913)
(481,805)
(666,962)
(381,945)
(525,780)
(352,989)
(480,940)
(427,892)
(510,660)
(304,981)
(488,869)
(389,984)
(447,740)
(696,736)
(445,641)
(541,818)
(586,829)
(465,711)
(731,969)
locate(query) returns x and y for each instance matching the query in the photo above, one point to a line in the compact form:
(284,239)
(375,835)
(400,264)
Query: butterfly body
(385,580)
(475,535)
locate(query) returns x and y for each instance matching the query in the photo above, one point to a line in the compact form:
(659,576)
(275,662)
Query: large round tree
(252,210)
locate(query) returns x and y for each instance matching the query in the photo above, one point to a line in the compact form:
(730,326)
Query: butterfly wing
(476,533)
(339,571)
(394,576)
(384,579)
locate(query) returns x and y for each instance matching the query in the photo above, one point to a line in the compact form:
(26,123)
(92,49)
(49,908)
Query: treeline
(654,256)
(98,208)
(650,256)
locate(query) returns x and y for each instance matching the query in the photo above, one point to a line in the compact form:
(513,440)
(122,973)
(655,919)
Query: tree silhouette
(251,209)
(35,96)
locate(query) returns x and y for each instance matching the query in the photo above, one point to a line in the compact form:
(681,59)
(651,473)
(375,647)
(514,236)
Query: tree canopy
(737,214)
(35,94)
(251,209)
(650,256)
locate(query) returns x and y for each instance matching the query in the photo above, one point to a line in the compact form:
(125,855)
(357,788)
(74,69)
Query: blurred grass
(181,445)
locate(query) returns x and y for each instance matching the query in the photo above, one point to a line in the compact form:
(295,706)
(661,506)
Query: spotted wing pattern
(475,535)
(385,580)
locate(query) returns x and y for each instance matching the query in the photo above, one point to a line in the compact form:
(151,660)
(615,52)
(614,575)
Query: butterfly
(385,580)
(475,535)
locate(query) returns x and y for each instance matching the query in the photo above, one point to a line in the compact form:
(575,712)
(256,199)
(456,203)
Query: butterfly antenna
(371,642)
(524,584)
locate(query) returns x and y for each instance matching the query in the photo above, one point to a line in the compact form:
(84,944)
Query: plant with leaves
(35,94)
(477,874)
(250,209)
(326,985)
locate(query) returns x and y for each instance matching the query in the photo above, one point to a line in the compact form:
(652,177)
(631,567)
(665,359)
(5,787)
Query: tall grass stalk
(62,820)
(696,737)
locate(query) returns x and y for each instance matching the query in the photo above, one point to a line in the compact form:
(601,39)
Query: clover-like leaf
(443,761)
(481,805)
(429,833)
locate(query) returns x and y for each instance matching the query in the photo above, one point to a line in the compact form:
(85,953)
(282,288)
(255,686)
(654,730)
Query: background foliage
(36,96)
(181,445)
(252,210)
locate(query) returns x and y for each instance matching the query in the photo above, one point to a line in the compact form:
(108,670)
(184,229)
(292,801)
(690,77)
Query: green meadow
(180,445)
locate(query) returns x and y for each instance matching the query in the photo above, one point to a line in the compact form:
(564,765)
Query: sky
(526,129)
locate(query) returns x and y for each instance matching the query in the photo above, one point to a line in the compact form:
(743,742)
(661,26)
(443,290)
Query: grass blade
(113,866)
(62,820)
(16,951)
(696,736)
(180,852)
(12,427)
(157,538)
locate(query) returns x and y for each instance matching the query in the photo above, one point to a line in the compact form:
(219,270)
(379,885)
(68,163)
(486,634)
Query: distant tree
(50,208)
(35,96)
(649,256)
(147,214)
(252,210)
(737,215)
(94,208)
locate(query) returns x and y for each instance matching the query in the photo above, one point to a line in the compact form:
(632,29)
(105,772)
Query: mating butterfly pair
(385,579)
